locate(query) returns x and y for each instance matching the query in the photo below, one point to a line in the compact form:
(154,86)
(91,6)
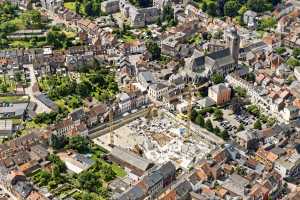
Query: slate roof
(131,158)
(23,188)
(77,114)
(45,100)
(152,179)
(134,193)
(167,169)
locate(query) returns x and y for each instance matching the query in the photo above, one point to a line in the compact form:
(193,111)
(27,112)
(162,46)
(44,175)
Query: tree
(271,121)
(88,9)
(194,114)
(250,77)
(77,7)
(220,7)
(107,173)
(211,9)
(231,8)
(57,142)
(241,127)
(56,38)
(242,10)
(154,49)
(204,6)
(218,114)
(296,52)
(18,76)
(256,5)
(209,126)
(3,88)
(32,19)
(280,50)
(217,130)
(257,125)
(267,23)
(200,120)
(89,181)
(83,89)
(224,135)
(144,3)
(293,62)
(241,92)
(57,162)
(79,143)
(217,78)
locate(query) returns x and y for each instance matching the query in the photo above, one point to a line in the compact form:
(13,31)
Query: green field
(14,99)
(71,6)
(118,170)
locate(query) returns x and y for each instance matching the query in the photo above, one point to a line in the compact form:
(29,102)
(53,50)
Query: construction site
(159,137)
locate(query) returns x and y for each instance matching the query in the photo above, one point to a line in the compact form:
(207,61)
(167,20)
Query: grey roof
(45,100)
(152,179)
(23,188)
(17,108)
(206,102)
(236,184)
(147,77)
(131,158)
(83,160)
(123,97)
(167,169)
(158,86)
(135,193)
(219,87)
(183,189)
(77,114)
(219,54)
(250,13)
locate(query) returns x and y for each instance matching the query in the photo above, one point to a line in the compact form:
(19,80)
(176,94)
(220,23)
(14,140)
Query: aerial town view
(149,99)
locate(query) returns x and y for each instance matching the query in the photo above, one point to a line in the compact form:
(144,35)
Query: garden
(89,184)
(95,82)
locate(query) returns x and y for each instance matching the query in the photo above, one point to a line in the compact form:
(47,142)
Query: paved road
(40,106)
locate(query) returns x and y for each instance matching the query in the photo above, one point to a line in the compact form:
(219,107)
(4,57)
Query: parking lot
(4,194)
(231,121)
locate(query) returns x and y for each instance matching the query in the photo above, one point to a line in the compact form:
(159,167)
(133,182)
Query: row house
(134,47)
(131,98)
(96,114)
(259,96)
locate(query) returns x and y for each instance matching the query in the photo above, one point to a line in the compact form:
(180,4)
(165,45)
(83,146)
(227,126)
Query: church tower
(233,42)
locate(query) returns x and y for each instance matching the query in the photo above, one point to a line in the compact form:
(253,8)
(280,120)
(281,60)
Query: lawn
(14,99)
(71,6)
(118,170)
(19,23)
(70,34)
(20,44)
(128,38)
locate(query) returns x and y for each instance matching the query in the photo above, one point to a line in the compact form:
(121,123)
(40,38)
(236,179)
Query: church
(222,61)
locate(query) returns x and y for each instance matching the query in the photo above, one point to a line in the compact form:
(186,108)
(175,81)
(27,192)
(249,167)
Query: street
(29,91)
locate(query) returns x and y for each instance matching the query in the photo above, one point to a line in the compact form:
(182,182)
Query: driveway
(40,106)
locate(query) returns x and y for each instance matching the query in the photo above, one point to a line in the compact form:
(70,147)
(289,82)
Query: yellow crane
(111,131)
(189,112)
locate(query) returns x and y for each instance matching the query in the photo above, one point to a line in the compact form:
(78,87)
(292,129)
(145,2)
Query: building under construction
(159,138)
